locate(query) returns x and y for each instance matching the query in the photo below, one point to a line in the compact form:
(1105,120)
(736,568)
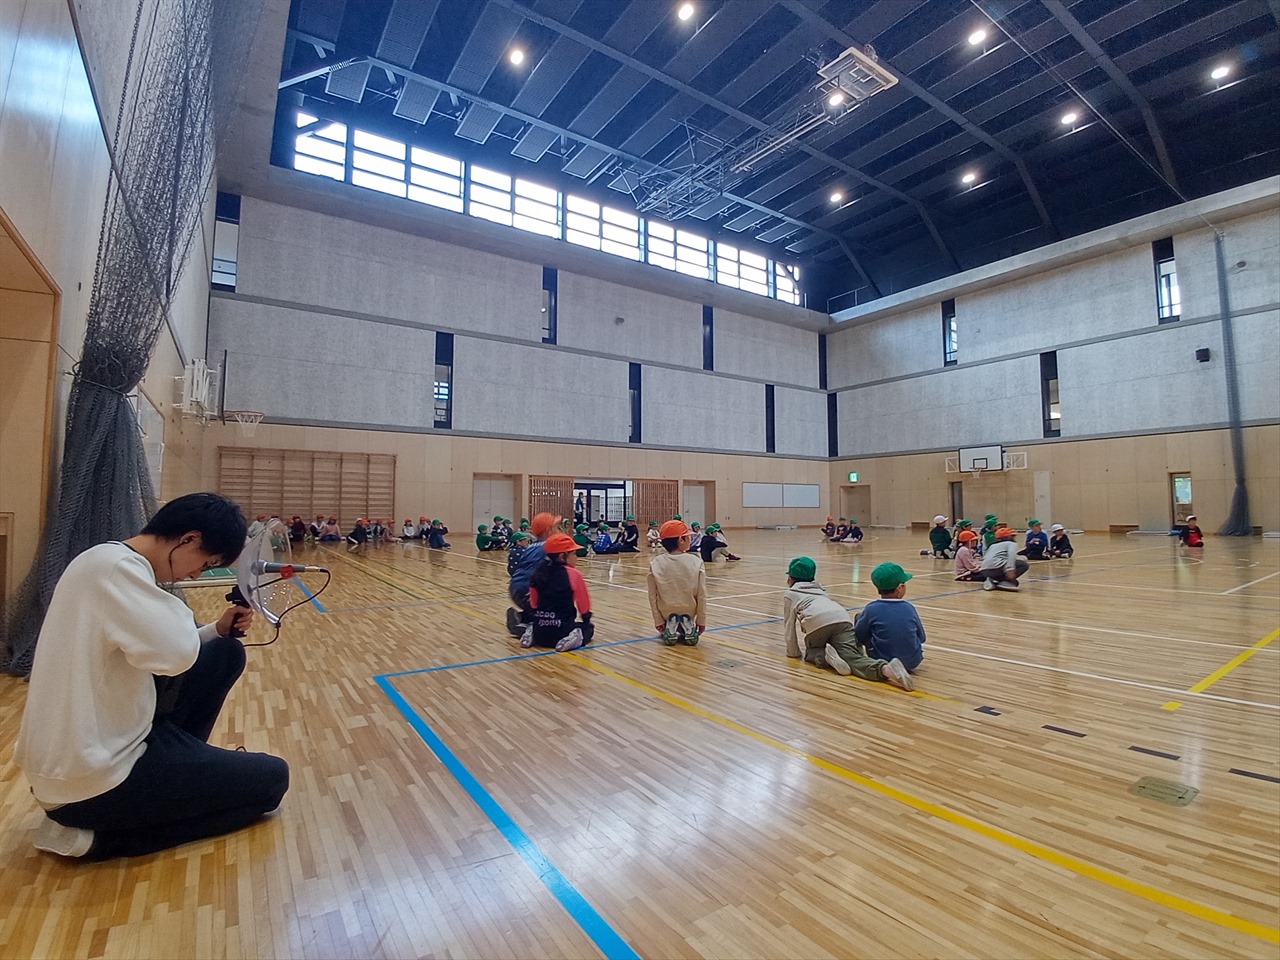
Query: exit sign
(853,478)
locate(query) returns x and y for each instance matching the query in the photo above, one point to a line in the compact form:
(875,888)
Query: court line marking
(1249,584)
(1039,851)
(310,596)
(1099,676)
(1077,626)
(1222,671)
(604,936)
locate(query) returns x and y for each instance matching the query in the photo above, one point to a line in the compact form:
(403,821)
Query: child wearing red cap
(557,597)
(677,588)
(541,527)
(966,560)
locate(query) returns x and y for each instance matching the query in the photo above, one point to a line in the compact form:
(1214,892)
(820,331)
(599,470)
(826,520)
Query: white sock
(53,837)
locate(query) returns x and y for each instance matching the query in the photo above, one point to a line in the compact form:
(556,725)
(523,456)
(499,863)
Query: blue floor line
(593,925)
(310,596)
(514,656)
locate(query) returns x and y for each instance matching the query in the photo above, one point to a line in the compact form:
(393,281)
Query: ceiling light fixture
(1069,118)
(837,197)
(516,56)
(1220,72)
(977,37)
(835,99)
(685,11)
(969,177)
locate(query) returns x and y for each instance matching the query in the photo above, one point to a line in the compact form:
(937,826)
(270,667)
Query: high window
(1049,403)
(331,149)
(443,418)
(550,286)
(633,371)
(950,345)
(1168,297)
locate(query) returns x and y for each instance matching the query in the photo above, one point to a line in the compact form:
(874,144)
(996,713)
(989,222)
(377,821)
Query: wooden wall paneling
(235,473)
(382,486)
(654,499)
(266,483)
(296,484)
(551,494)
(354,499)
(326,483)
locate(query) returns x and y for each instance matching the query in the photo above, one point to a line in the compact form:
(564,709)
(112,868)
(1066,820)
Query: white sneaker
(836,662)
(894,672)
(53,837)
(572,641)
(988,584)
(526,638)
(1006,585)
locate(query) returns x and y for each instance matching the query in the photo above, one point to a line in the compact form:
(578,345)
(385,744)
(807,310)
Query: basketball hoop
(248,420)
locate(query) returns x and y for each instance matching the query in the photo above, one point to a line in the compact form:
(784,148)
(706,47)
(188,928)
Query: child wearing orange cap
(677,587)
(257,526)
(359,535)
(966,560)
(541,527)
(557,598)
(1001,566)
(330,531)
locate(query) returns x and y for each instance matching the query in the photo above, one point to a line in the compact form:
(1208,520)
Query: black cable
(328,578)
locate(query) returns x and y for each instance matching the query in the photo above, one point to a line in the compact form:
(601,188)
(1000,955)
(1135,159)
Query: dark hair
(671,544)
(219,521)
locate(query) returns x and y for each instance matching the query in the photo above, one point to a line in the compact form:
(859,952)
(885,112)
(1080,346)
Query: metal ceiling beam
(803,11)
(579,138)
(1082,36)
(655,74)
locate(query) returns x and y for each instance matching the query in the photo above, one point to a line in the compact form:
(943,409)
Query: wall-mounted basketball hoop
(247,419)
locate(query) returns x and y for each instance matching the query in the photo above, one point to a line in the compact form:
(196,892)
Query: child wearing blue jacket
(890,628)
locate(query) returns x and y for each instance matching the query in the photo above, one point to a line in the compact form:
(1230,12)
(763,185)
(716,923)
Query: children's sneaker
(526,638)
(1006,585)
(572,641)
(670,635)
(836,662)
(988,584)
(686,630)
(732,557)
(513,621)
(894,672)
(53,837)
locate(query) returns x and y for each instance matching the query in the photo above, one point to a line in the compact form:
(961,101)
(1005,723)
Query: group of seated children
(884,642)
(846,531)
(501,535)
(627,539)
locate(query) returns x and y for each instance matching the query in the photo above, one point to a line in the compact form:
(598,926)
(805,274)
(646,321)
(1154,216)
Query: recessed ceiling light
(516,56)
(835,99)
(969,178)
(1069,118)
(837,197)
(1220,72)
(685,11)
(977,37)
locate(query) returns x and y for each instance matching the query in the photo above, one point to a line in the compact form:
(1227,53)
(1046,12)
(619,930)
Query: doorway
(855,502)
(698,502)
(492,495)
(957,500)
(601,500)
(1180,495)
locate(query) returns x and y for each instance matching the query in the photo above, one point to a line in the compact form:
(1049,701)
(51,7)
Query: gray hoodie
(807,603)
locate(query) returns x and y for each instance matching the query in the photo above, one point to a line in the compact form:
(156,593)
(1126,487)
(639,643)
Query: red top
(581,599)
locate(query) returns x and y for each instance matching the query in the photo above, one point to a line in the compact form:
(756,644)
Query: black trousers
(181,788)
(1020,567)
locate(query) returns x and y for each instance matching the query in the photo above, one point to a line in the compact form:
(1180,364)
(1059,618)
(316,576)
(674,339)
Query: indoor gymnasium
(618,429)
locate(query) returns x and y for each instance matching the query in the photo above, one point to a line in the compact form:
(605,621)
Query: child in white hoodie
(827,630)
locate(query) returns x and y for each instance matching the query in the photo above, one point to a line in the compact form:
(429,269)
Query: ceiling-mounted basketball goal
(976,461)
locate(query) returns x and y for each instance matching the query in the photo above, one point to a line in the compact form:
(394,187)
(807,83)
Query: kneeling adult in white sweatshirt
(125,690)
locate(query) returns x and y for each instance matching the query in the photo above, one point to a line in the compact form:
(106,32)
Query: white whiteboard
(781,495)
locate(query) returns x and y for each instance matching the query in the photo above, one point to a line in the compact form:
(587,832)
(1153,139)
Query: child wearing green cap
(1037,544)
(581,539)
(484,540)
(653,538)
(629,542)
(852,533)
(520,542)
(890,627)
(713,544)
(436,535)
(829,637)
(989,528)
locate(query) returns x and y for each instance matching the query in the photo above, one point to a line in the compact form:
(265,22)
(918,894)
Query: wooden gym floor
(453,797)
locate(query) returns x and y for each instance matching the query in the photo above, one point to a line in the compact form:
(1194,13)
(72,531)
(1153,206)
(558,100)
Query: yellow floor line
(1067,862)
(1222,671)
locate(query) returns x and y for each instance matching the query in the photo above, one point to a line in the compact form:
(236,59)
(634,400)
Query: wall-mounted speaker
(1203,354)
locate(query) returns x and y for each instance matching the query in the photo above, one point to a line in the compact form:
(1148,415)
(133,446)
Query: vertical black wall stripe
(822,361)
(833,426)
(769,434)
(708,338)
(636,404)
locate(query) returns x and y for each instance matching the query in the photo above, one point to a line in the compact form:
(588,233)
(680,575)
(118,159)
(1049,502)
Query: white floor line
(1064,582)
(1097,676)
(1250,583)
(762,616)
(1077,626)
(761,593)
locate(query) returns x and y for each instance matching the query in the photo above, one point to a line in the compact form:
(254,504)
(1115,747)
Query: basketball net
(247,419)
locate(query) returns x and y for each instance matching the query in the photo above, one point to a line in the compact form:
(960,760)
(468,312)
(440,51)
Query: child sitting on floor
(436,534)
(828,635)
(677,588)
(653,538)
(1037,542)
(1060,543)
(890,627)
(966,560)
(558,595)
(486,541)
(853,533)
(939,539)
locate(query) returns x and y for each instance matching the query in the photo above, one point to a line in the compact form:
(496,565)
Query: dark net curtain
(161,163)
